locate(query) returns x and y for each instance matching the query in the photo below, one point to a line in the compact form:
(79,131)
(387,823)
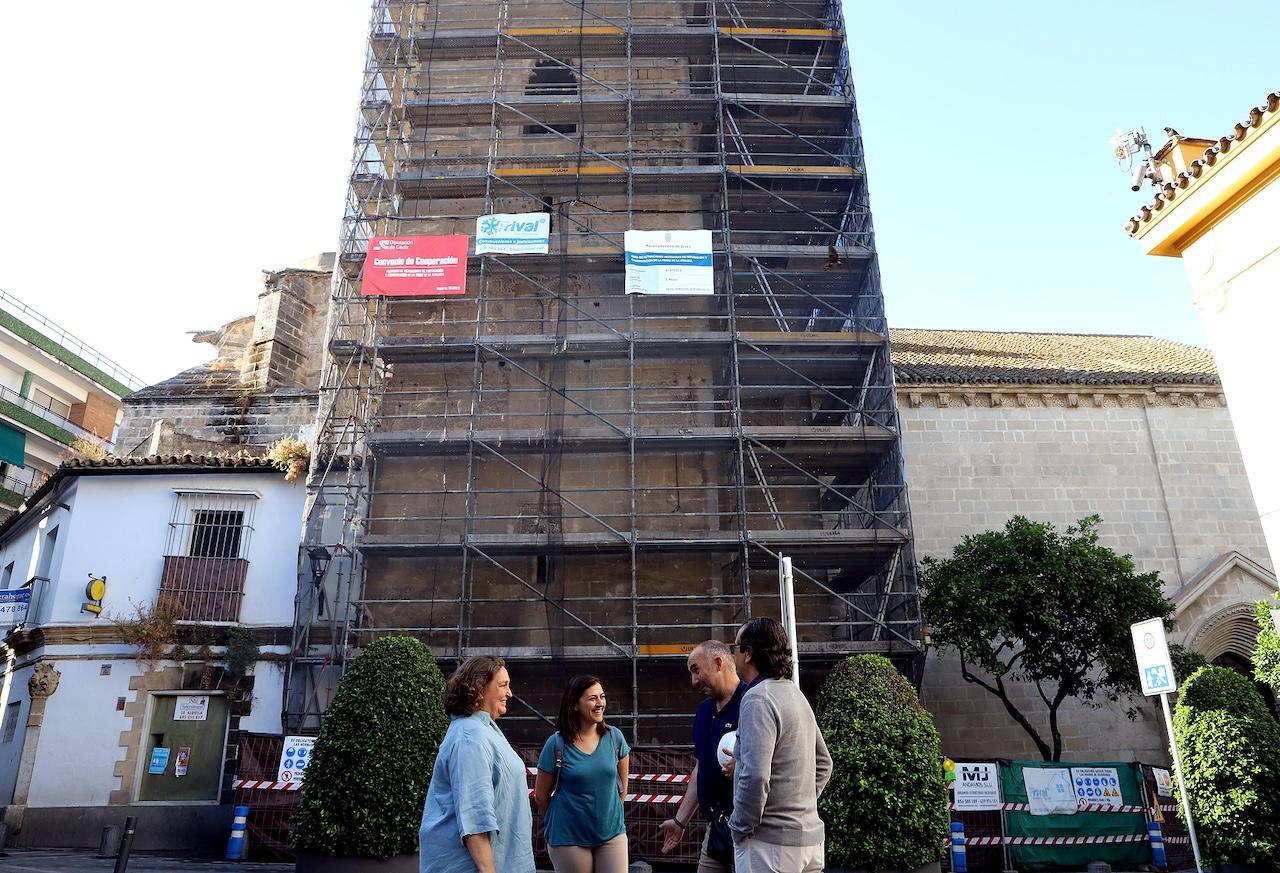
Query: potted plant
(362,799)
(1230,745)
(885,807)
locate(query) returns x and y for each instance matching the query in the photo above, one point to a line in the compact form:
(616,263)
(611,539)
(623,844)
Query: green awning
(13,445)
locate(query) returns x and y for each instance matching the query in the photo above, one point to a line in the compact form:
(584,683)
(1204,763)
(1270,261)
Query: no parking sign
(294,758)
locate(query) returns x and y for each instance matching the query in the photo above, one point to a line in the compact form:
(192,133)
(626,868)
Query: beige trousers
(707,864)
(610,857)
(753,856)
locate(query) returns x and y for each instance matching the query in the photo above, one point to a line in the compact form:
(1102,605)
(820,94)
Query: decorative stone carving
(44,680)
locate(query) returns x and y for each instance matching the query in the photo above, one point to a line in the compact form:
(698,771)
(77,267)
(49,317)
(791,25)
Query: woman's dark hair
(770,649)
(464,691)
(569,722)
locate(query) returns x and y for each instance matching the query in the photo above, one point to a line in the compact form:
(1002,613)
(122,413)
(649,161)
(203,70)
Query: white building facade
(201,552)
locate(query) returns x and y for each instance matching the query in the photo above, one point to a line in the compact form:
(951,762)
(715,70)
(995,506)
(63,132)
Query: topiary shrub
(886,803)
(371,765)
(1266,656)
(1230,747)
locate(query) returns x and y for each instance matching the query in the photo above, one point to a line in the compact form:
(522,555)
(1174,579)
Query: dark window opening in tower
(551,78)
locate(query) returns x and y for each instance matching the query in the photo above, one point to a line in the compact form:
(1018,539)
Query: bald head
(712,671)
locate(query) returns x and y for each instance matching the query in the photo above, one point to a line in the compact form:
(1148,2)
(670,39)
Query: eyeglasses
(737,647)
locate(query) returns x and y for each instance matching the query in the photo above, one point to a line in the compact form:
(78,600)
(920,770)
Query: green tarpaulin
(13,446)
(1080,824)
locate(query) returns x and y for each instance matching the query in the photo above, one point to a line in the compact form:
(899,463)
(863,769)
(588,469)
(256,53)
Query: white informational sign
(977,787)
(1097,785)
(13,606)
(191,708)
(518,233)
(294,758)
(669,262)
(1049,791)
(1164,782)
(1155,668)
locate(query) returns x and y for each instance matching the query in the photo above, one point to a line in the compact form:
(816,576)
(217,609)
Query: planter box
(328,864)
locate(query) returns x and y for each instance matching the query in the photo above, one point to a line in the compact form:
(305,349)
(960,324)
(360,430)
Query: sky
(156,157)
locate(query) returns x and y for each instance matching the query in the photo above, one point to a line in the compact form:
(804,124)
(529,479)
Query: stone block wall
(1162,469)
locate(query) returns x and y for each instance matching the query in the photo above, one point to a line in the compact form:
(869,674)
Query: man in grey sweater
(781,764)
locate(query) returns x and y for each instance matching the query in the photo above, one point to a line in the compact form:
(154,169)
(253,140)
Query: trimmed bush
(1230,747)
(372,762)
(1266,656)
(886,803)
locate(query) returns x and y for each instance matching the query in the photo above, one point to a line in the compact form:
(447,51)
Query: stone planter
(327,864)
(935,867)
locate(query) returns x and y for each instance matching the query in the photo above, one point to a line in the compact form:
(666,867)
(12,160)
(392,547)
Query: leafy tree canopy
(1052,608)
(1266,657)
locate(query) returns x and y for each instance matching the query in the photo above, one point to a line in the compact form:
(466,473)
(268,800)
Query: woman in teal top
(582,777)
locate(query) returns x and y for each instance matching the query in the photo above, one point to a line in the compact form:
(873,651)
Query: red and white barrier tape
(266,785)
(646,798)
(665,778)
(1083,807)
(1052,841)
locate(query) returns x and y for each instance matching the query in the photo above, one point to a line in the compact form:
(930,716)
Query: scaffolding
(575,478)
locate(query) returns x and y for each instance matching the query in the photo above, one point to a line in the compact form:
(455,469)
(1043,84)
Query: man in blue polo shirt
(712,671)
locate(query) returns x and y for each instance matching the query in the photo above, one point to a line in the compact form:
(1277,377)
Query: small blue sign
(159,761)
(1158,677)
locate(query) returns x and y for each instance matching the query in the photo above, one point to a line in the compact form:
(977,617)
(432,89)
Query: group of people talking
(760,804)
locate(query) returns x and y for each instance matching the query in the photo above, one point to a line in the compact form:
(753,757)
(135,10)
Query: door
(184,748)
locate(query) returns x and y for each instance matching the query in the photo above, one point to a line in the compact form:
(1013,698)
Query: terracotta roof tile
(112,462)
(1170,190)
(985,357)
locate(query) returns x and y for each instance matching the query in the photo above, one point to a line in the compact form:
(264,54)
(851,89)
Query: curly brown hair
(464,691)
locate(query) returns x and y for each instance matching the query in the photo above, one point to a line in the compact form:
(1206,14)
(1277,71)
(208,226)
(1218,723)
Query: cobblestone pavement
(58,861)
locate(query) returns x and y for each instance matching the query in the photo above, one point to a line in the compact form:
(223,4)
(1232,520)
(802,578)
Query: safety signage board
(514,233)
(13,606)
(415,266)
(159,761)
(294,758)
(977,787)
(1155,667)
(669,262)
(1164,782)
(1097,785)
(1049,791)
(192,707)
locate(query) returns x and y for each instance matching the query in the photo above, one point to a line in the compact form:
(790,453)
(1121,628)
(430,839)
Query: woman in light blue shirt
(582,777)
(476,818)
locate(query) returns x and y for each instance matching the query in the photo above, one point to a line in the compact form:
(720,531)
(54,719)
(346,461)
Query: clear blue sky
(997,202)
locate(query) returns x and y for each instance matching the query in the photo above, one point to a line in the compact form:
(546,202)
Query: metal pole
(787,594)
(126,843)
(1182,785)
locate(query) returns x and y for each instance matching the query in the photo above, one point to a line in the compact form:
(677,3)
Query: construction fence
(1008,838)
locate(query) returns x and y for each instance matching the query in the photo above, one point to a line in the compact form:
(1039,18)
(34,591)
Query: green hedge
(1266,657)
(372,762)
(1230,746)
(886,803)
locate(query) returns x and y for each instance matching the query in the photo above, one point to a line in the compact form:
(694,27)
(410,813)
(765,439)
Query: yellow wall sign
(94,591)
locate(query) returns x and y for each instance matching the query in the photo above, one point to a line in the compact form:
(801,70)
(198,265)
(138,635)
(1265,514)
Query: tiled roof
(1169,191)
(986,357)
(112,463)
(202,381)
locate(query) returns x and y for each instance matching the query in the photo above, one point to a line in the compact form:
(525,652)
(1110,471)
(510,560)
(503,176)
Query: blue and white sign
(159,761)
(1049,791)
(1155,668)
(1097,785)
(294,758)
(669,262)
(13,606)
(521,233)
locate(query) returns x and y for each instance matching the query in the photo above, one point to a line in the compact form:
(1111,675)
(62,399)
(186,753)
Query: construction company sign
(415,266)
(977,787)
(1049,791)
(519,233)
(669,262)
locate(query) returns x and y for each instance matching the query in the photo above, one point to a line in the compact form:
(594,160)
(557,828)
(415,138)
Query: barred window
(210,524)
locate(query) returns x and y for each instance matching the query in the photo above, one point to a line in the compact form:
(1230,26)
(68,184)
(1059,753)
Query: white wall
(121,527)
(13,687)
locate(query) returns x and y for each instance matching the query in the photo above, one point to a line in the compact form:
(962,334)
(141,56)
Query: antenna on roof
(1128,145)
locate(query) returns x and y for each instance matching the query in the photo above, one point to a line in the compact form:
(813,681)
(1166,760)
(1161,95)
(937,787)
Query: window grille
(11,713)
(206,555)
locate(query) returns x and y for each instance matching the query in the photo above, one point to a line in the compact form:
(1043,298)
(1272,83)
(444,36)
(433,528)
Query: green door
(193,744)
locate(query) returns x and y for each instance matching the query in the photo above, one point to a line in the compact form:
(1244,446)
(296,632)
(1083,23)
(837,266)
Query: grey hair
(715,648)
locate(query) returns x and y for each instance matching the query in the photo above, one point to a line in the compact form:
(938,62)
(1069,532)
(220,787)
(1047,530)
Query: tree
(372,762)
(1230,745)
(1266,656)
(1053,609)
(886,803)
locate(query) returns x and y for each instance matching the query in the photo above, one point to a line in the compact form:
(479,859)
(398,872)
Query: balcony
(55,425)
(203,589)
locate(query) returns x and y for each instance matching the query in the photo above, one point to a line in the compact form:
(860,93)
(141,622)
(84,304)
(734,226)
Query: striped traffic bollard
(1158,859)
(236,842)
(959,863)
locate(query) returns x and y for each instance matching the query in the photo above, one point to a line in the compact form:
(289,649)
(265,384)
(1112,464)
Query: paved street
(19,861)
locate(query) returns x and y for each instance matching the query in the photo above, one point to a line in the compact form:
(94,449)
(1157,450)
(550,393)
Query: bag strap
(559,760)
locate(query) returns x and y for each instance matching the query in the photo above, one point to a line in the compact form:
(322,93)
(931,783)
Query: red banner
(415,266)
